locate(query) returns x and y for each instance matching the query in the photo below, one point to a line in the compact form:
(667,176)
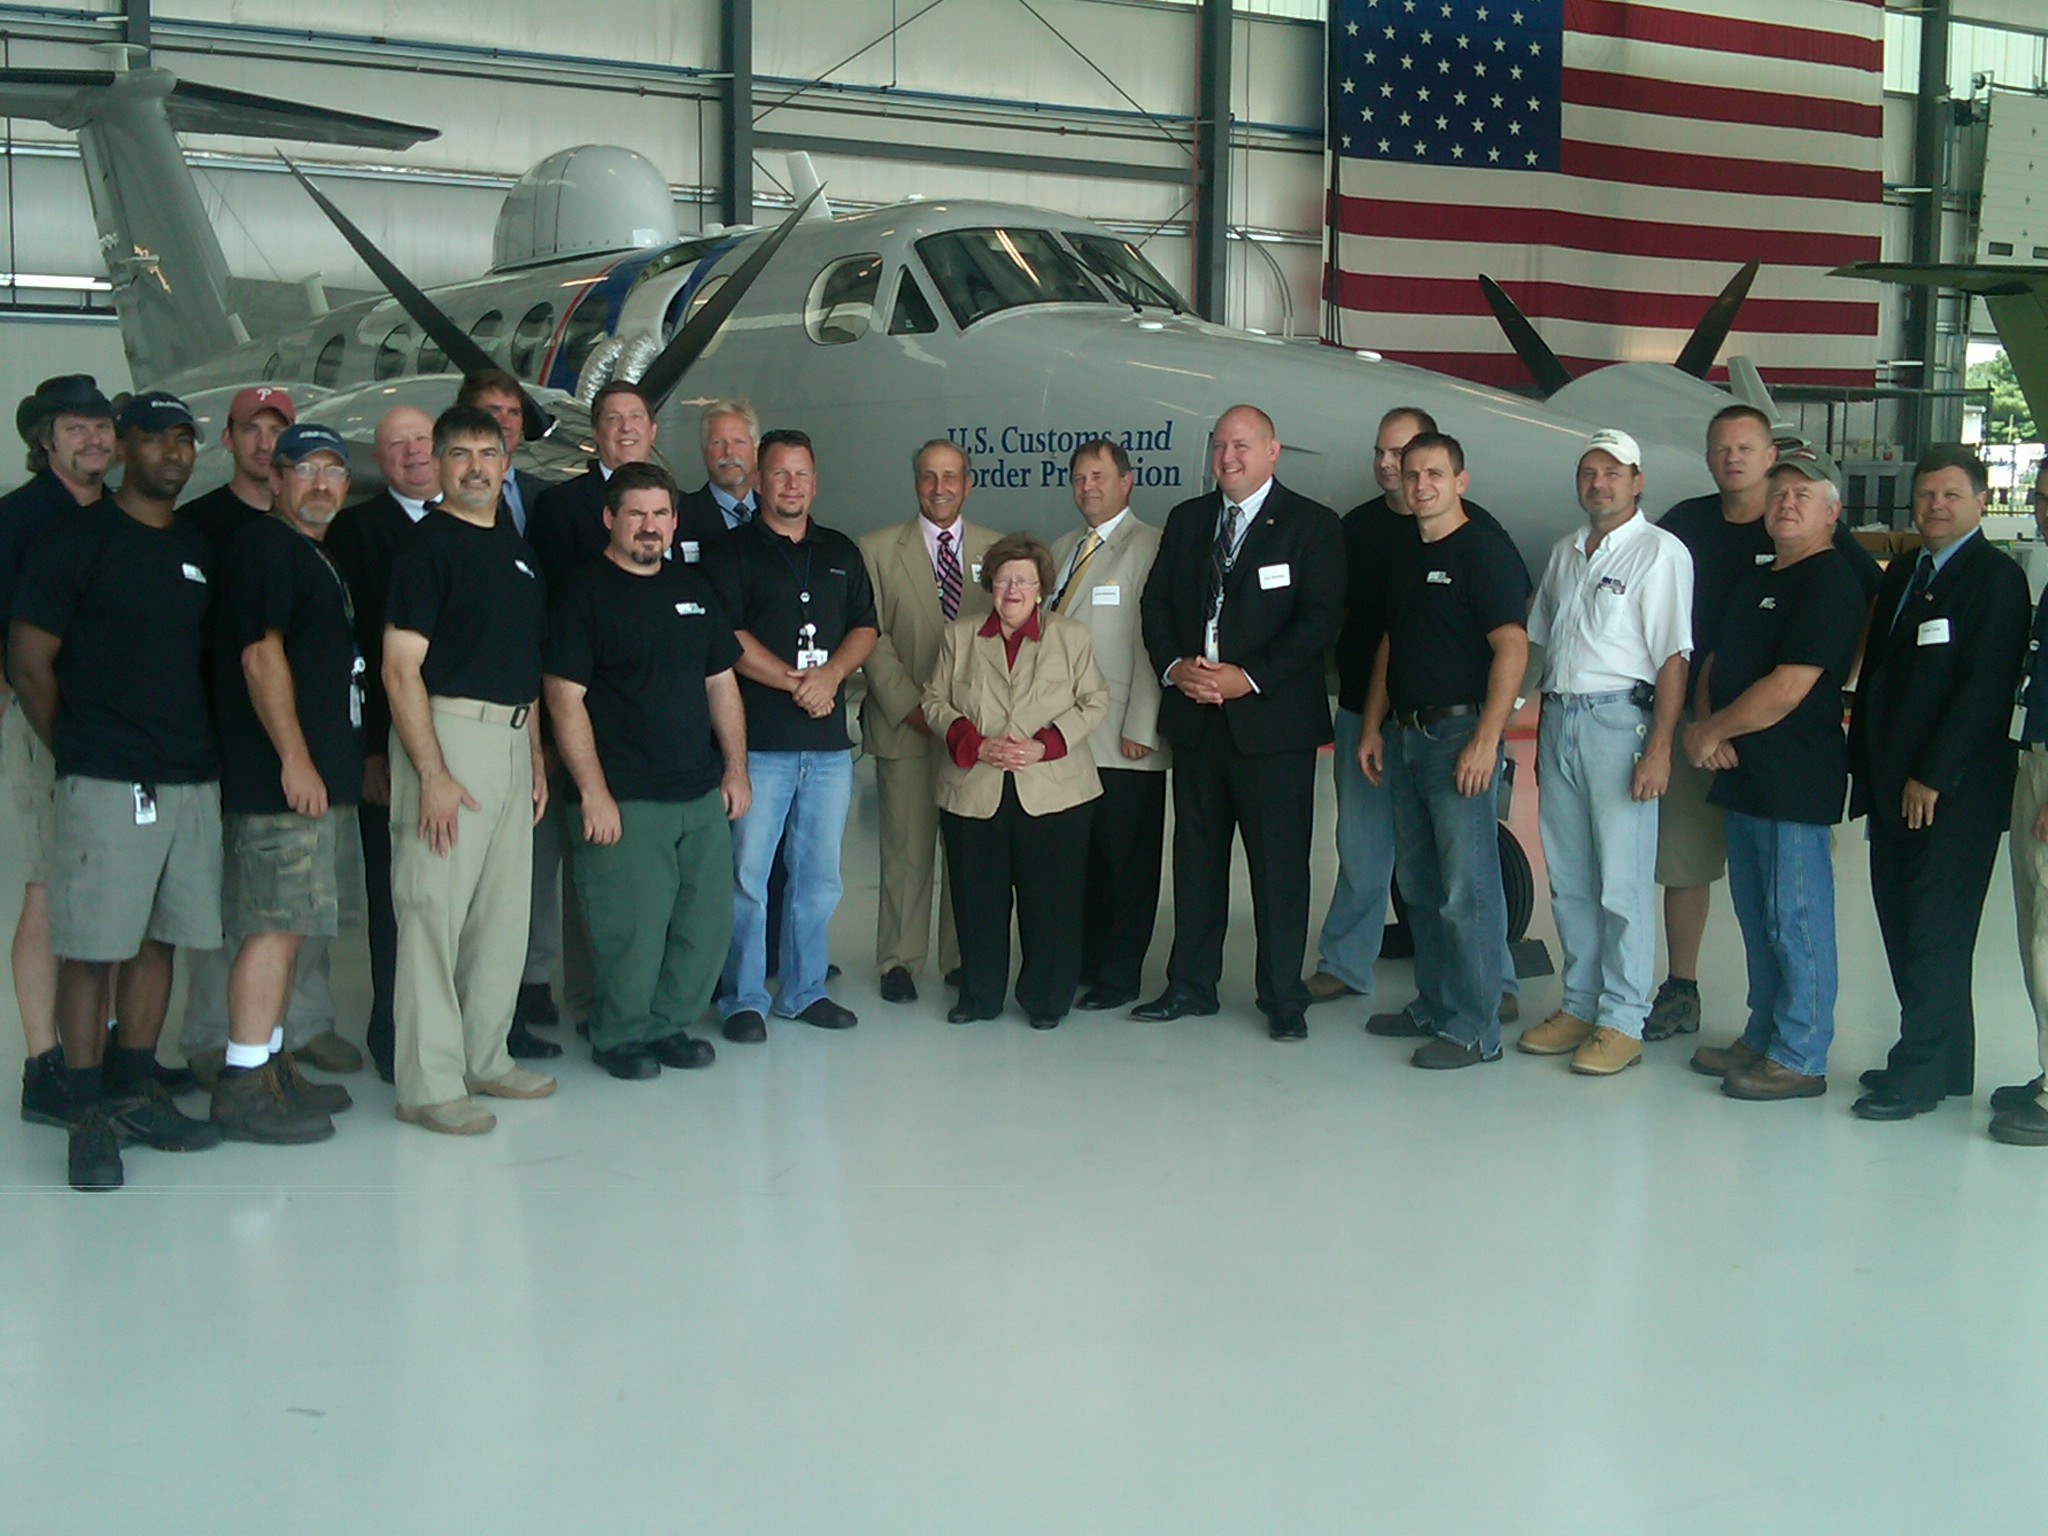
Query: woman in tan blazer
(1014,697)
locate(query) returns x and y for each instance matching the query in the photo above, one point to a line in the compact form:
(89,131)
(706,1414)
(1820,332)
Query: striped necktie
(1923,578)
(949,577)
(1073,583)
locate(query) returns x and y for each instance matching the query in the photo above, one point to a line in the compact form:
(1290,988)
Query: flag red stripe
(1371,216)
(1505,371)
(1720,104)
(1717,173)
(1601,306)
(1722,34)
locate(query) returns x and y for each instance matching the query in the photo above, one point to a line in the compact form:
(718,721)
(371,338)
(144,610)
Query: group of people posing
(606,721)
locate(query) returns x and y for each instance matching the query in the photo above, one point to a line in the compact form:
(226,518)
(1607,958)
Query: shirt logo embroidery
(1438,578)
(193,573)
(689,608)
(524,569)
(1769,602)
(1612,584)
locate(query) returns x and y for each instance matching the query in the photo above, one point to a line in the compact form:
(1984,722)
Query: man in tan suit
(925,573)
(1102,569)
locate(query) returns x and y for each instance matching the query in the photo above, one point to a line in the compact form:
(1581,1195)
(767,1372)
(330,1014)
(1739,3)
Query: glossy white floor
(1117,1278)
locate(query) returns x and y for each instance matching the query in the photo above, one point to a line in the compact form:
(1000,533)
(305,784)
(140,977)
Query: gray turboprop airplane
(1014,331)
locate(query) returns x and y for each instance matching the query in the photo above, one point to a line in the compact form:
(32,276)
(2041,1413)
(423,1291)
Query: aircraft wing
(2016,296)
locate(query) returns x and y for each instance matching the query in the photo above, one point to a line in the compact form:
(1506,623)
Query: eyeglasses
(308,473)
(1015,583)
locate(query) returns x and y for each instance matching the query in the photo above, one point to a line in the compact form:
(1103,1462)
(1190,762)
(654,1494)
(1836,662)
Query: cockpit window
(981,271)
(1126,272)
(913,315)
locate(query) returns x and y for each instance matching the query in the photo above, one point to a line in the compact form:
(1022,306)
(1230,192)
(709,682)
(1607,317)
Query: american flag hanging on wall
(1611,164)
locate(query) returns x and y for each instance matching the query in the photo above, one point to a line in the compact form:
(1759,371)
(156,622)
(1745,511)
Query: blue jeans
(1781,878)
(1449,867)
(1601,847)
(808,794)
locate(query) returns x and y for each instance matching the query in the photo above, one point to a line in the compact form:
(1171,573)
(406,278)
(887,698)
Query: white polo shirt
(1612,619)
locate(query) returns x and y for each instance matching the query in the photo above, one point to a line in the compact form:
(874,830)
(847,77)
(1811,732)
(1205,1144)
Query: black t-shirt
(25,512)
(1810,615)
(129,602)
(1443,600)
(275,578)
(1374,534)
(1723,553)
(760,578)
(642,647)
(220,515)
(477,595)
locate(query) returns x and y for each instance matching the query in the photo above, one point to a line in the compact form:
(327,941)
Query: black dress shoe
(1398,1026)
(631,1063)
(826,1014)
(2014,1096)
(953,977)
(1176,1002)
(1887,1104)
(536,1005)
(1099,997)
(522,1044)
(897,987)
(1287,1026)
(1444,1054)
(2024,1124)
(1876,1080)
(684,1052)
(746,1028)
(1044,1021)
(958,1014)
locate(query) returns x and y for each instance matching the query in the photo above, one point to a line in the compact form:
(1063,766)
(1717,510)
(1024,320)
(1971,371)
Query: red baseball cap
(262,398)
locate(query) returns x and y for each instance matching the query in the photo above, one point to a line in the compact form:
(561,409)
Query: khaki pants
(907,792)
(2030,885)
(461,918)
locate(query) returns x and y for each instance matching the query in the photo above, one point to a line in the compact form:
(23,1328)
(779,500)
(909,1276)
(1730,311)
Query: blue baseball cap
(154,410)
(301,442)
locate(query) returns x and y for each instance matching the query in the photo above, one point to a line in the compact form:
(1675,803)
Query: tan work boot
(330,1053)
(516,1084)
(1608,1051)
(457,1117)
(1719,1061)
(1556,1035)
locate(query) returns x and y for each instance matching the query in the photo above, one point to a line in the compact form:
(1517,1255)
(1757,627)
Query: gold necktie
(1089,545)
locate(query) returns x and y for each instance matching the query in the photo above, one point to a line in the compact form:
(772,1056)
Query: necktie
(949,577)
(1923,578)
(1221,555)
(1073,584)
(744,511)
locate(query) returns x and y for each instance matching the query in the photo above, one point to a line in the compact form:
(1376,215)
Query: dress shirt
(1102,533)
(1938,558)
(413,509)
(931,532)
(1612,619)
(514,502)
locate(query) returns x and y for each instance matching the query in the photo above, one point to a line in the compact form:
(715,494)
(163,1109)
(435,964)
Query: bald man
(363,542)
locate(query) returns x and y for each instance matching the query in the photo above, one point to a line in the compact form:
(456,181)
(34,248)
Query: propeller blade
(1704,345)
(1550,374)
(455,343)
(684,348)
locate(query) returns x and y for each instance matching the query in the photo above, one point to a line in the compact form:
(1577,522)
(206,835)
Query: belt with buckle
(513,715)
(1435,715)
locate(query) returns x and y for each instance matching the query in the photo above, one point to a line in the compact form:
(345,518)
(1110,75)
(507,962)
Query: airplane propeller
(1551,375)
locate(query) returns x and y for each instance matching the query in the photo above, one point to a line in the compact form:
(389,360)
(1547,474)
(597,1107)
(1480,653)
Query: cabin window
(327,366)
(1126,273)
(981,271)
(913,316)
(270,368)
(432,358)
(488,330)
(842,301)
(530,340)
(391,352)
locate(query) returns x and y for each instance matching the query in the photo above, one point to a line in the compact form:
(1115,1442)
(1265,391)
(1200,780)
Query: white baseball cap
(1613,440)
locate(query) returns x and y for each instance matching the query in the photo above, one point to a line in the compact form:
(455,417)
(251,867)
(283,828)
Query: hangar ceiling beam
(1212,157)
(1930,179)
(736,39)
(135,24)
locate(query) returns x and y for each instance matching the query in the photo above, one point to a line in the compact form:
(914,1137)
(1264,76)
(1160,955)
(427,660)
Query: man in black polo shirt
(1769,707)
(798,597)
(107,651)
(464,622)
(1446,677)
(289,705)
(68,427)
(1728,538)
(257,418)
(647,716)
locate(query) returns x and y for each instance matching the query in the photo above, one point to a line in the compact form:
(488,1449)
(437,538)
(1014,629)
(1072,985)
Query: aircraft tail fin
(2016,296)
(1748,386)
(804,183)
(171,283)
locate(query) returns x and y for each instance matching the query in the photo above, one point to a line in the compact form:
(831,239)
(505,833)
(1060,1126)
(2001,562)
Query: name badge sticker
(974,571)
(193,573)
(686,609)
(691,552)
(1110,596)
(1271,576)
(1932,632)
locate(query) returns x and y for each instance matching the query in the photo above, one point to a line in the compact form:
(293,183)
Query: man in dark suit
(1934,772)
(731,438)
(1245,597)
(496,391)
(567,528)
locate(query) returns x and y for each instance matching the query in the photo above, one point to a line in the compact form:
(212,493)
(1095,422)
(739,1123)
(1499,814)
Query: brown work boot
(328,1098)
(1607,1052)
(1325,988)
(1557,1035)
(250,1104)
(1719,1061)
(1768,1079)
